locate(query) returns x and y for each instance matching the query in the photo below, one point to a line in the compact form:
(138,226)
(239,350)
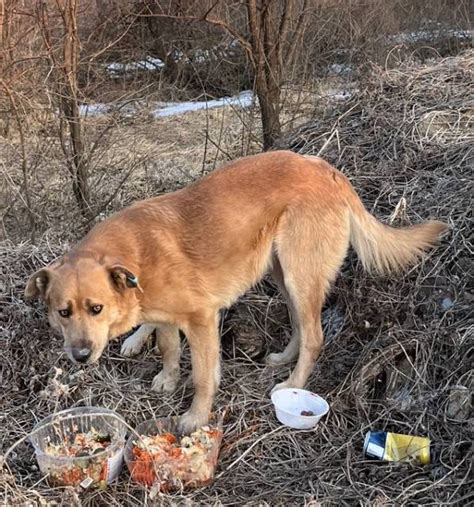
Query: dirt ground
(398,351)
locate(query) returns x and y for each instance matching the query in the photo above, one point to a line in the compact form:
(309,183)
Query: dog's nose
(81,355)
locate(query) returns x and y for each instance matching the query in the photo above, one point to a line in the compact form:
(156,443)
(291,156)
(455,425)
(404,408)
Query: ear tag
(133,282)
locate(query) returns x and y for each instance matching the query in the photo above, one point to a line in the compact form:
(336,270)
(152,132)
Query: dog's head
(89,301)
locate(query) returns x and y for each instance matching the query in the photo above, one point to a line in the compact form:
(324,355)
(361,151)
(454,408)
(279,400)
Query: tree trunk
(270,112)
(80,185)
(266,64)
(6,15)
(71,108)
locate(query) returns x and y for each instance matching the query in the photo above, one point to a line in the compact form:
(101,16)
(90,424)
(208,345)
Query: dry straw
(396,350)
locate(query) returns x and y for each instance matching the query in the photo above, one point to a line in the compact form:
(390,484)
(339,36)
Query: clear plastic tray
(182,467)
(92,468)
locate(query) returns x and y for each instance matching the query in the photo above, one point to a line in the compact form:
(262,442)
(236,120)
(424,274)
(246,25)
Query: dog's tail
(386,249)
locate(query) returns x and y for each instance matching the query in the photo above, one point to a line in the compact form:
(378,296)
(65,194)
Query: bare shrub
(192,49)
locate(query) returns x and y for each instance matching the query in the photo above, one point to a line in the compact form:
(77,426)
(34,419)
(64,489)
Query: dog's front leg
(203,337)
(134,343)
(170,348)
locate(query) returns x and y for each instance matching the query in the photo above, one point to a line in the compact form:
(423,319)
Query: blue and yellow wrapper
(387,446)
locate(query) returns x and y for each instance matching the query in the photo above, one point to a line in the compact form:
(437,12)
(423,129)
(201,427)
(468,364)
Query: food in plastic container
(156,454)
(299,408)
(80,446)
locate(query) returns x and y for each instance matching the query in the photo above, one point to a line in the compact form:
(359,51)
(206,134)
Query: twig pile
(396,352)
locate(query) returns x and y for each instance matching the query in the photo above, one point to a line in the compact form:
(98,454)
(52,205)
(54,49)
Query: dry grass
(129,158)
(395,350)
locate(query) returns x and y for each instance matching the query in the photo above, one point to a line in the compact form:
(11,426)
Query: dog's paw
(277,359)
(132,346)
(191,421)
(165,382)
(281,385)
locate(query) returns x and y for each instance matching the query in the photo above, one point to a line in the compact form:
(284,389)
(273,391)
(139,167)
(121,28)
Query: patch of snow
(127,109)
(152,63)
(93,109)
(115,69)
(204,55)
(339,94)
(197,56)
(243,99)
(177,55)
(163,109)
(429,35)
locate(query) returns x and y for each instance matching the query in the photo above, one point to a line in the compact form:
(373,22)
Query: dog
(172,262)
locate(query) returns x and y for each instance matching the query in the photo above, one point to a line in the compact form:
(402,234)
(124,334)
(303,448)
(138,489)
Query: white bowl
(290,403)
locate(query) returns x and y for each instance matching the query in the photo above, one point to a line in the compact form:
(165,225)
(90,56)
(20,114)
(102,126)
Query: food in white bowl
(298,408)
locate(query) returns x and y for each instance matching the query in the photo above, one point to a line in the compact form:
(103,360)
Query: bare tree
(64,63)
(270,36)
(270,25)
(6,48)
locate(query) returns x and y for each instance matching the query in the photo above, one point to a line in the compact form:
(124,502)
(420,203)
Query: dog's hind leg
(135,342)
(311,250)
(291,350)
(170,348)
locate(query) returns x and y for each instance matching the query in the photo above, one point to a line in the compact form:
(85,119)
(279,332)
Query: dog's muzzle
(82,354)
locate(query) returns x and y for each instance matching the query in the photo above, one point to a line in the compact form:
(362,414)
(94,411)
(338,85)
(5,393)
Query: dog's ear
(37,285)
(123,278)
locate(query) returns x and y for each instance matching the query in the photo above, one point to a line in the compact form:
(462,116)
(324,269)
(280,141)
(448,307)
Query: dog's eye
(65,313)
(96,309)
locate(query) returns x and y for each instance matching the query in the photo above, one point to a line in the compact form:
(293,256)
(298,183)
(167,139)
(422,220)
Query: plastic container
(54,437)
(177,466)
(298,408)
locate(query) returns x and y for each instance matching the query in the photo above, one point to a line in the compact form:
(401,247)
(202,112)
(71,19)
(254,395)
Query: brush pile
(398,353)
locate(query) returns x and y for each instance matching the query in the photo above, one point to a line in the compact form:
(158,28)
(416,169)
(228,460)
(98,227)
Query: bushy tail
(387,249)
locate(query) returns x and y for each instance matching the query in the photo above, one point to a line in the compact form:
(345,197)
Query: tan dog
(173,261)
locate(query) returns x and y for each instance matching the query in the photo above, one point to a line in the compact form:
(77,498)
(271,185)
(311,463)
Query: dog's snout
(81,354)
